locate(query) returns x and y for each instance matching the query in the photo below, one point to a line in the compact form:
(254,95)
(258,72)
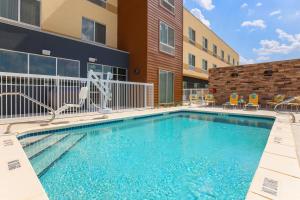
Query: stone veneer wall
(265,79)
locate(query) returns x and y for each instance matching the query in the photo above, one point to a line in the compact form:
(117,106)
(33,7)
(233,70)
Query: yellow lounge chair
(233,101)
(210,100)
(295,103)
(276,100)
(194,98)
(253,101)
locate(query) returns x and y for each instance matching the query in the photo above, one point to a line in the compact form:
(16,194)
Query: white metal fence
(200,93)
(55,91)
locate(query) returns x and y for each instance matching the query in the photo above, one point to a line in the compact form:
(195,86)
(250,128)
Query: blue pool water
(177,156)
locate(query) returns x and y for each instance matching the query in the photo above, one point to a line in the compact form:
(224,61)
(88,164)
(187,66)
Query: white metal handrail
(288,113)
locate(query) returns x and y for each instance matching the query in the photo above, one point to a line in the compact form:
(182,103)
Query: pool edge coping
(252,192)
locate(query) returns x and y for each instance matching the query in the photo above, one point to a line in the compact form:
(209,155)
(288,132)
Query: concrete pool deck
(277,176)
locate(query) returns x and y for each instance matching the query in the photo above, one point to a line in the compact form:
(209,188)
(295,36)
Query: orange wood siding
(138,33)
(158,60)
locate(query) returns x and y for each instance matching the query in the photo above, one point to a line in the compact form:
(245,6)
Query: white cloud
(263,58)
(244,5)
(197,12)
(269,47)
(276,12)
(259,4)
(206,4)
(255,23)
(244,60)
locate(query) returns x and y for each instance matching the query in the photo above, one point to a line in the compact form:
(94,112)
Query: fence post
(58,93)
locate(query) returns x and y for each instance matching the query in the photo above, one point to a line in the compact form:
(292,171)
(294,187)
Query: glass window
(166,87)
(95,67)
(192,61)
(93,31)
(101,3)
(168,4)
(205,43)
(9,9)
(100,33)
(88,32)
(42,65)
(167,35)
(192,35)
(233,61)
(215,50)
(204,64)
(222,55)
(13,62)
(228,58)
(122,72)
(30,12)
(69,68)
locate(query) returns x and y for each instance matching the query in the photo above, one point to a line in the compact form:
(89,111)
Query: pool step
(40,146)
(45,160)
(32,140)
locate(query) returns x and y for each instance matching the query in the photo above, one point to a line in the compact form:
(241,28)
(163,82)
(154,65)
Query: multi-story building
(61,37)
(152,32)
(202,50)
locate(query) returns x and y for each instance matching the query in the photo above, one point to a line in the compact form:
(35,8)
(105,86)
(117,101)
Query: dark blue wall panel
(31,41)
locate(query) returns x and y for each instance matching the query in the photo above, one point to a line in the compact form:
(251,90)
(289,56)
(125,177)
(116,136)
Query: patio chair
(194,98)
(210,100)
(83,95)
(253,101)
(233,101)
(295,103)
(276,100)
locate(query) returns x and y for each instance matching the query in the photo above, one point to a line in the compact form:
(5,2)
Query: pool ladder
(288,113)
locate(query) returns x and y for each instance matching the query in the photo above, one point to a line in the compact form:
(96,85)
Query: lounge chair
(295,103)
(83,95)
(276,100)
(253,101)
(194,98)
(210,100)
(233,101)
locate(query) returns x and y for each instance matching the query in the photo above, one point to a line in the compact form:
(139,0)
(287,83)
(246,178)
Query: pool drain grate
(270,186)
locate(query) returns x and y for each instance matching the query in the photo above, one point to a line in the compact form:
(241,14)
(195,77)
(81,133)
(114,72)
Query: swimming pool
(183,155)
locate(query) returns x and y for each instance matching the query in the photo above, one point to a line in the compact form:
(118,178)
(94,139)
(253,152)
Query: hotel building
(61,37)
(202,50)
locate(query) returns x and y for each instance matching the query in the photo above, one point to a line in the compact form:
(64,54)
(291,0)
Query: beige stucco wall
(65,17)
(203,31)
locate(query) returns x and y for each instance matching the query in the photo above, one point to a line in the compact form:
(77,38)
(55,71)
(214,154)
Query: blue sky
(259,30)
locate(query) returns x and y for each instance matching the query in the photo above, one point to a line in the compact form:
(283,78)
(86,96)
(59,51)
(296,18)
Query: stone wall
(265,79)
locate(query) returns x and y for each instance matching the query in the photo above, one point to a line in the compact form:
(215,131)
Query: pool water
(176,156)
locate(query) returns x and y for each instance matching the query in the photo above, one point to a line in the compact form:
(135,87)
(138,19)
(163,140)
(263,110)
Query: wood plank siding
(138,33)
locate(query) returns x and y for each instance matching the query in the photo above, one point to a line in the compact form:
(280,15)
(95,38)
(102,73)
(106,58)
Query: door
(166,87)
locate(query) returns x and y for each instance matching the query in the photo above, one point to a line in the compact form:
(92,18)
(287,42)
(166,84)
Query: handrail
(30,99)
(289,113)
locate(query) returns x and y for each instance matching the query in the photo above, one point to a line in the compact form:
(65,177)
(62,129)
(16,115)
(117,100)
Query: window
(192,35)
(93,31)
(166,87)
(119,74)
(67,67)
(168,4)
(42,65)
(167,39)
(204,65)
(14,62)
(101,3)
(215,50)
(192,61)
(237,63)
(222,55)
(25,11)
(233,61)
(228,59)
(205,43)
(185,84)
(214,66)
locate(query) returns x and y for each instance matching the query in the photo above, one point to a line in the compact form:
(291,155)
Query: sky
(259,30)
